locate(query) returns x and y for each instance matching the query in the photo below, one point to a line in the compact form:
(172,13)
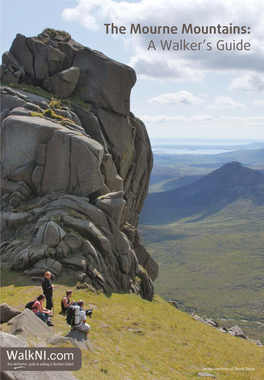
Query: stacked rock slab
(76,168)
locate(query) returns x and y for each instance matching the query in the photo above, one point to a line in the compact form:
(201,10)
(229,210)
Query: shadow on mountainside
(232,186)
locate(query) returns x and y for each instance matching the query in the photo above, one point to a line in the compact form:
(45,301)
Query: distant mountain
(247,157)
(255,145)
(174,183)
(169,162)
(224,186)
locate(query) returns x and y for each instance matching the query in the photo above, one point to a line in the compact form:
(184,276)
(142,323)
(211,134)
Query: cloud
(234,121)
(256,124)
(179,119)
(158,67)
(181,65)
(248,82)
(257,121)
(224,102)
(181,97)
(201,118)
(259,102)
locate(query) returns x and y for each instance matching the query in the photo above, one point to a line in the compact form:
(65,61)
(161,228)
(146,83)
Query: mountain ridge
(222,187)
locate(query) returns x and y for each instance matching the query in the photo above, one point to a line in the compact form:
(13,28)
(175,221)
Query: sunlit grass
(214,265)
(136,339)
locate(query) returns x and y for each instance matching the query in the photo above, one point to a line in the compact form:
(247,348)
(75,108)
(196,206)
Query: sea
(202,146)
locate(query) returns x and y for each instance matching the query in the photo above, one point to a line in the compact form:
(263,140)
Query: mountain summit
(224,186)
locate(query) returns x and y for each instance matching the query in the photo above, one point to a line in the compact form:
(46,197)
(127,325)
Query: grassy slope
(170,344)
(214,265)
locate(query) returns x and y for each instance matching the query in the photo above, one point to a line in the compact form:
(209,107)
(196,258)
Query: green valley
(208,239)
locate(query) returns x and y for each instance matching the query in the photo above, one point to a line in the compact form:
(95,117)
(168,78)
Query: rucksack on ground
(73,315)
(30,304)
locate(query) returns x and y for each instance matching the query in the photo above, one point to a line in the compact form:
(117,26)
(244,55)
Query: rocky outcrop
(27,324)
(144,258)
(75,171)
(53,57)
(75,338)
(235,330)
(79,339)
(63,83)
(7,313)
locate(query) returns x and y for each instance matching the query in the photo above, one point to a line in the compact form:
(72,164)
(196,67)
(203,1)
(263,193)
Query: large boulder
(27,324)
(37,58)
(77,262)
(9,340)
(49,234)
(144,258)
(113,205)
(7,313)
(147,288)
(71,158)
(147,262)
(116,86)
(60,340)
(64,83)
(44,265)
(27,257)
(9,77)
(12,221)
(20,137)
(91,125)
(23,55)
(236,331)
(80,338)
(42,57)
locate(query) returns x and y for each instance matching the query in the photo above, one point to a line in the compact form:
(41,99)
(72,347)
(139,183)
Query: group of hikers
(76,315)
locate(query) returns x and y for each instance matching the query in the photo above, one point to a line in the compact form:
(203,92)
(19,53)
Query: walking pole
(53,301)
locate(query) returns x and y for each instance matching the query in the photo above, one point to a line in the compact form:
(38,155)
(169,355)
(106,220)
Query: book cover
(132,189)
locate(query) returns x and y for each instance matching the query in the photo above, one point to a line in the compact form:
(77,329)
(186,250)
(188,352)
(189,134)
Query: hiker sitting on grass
(82,326)
(40,311)
(66,302)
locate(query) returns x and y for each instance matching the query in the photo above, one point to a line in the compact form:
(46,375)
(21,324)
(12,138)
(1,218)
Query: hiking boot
(49,323)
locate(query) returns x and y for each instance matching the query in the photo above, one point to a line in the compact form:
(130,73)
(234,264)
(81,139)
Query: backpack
(73,315)
(30,304)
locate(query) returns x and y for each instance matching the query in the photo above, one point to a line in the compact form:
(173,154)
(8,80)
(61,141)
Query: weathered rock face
(7,313)
(75,173)
(53,58)
(27,324)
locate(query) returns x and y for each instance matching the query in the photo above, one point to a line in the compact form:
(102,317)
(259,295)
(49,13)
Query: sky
(179,94)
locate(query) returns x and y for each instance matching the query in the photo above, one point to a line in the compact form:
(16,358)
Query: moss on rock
(54,103)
